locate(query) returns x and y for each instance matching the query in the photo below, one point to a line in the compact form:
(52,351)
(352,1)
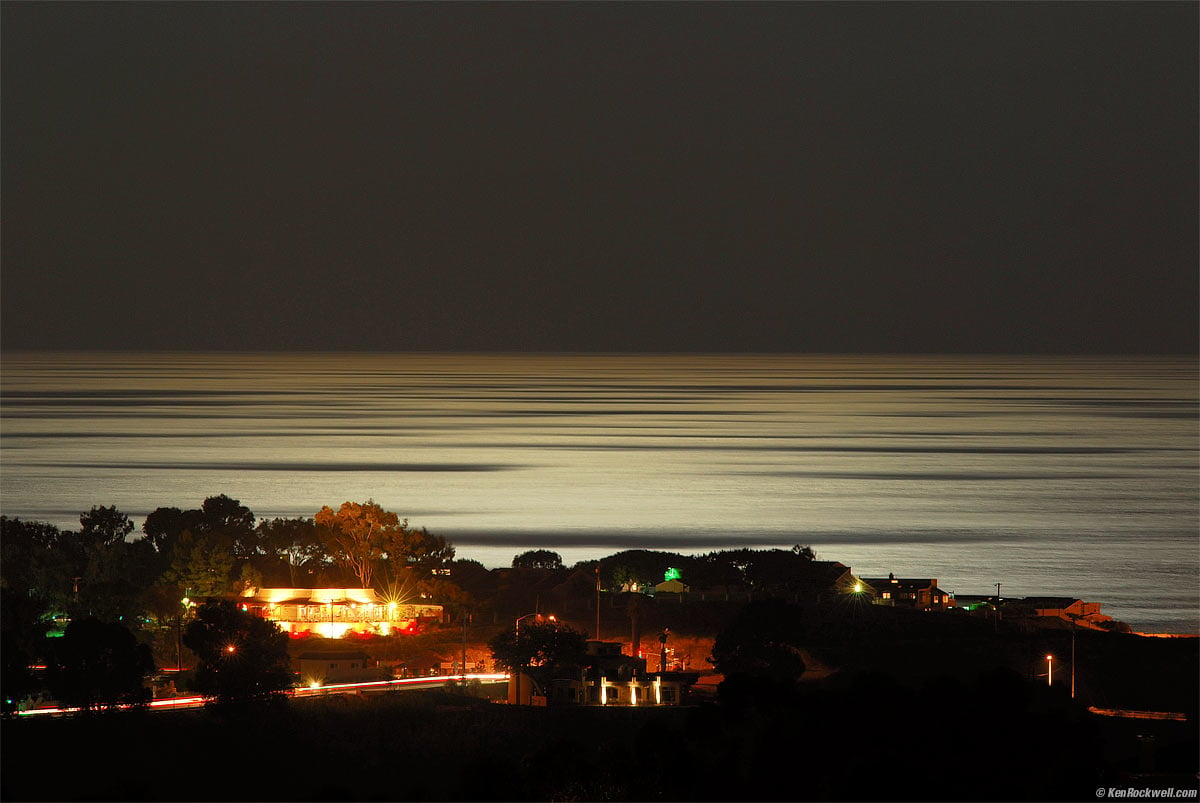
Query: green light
(671,574)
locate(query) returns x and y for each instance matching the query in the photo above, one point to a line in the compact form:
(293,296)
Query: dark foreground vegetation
(920,708)
(859,737)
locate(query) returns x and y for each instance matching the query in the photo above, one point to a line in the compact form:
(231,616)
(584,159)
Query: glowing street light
(1049,670)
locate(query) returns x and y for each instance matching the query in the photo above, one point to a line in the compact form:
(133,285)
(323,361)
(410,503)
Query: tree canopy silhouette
(242,657)
(99,665)
(760,648)
(539,643)
(538,559)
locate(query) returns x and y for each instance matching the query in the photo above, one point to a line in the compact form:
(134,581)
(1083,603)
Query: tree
(104,526)
(242,658)
(201,566)
(23,624)
(366,539)
(445,592)
(644,566)
(16,678)
(355,536)
(538,559)
(757,569)
(805,552)
(226,514)
(540,644)
(164,525)
(294,541)
(32,561)
(233,521)
(222,519)
(473,577)
(760,647)
(99,665)
(114,578)
(419,550)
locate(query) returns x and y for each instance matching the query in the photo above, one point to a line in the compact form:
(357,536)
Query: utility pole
(1072,658)
(463,666)
(997,607)
(597,602)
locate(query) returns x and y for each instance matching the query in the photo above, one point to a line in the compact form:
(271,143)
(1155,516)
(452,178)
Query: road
(433,682)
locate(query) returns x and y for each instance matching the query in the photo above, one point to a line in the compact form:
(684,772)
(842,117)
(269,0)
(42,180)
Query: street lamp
(1049,670)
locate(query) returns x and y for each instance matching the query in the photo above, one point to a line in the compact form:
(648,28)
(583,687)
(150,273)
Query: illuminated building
(337,612)
(902,592)
(607,677)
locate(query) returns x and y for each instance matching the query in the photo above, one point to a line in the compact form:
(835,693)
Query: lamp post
(1049,670)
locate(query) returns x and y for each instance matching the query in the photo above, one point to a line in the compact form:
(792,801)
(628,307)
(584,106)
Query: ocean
(1049,475)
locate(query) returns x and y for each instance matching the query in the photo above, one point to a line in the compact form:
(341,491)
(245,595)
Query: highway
(195,701)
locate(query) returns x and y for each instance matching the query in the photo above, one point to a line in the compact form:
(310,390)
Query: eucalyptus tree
(372,543)
(295,542)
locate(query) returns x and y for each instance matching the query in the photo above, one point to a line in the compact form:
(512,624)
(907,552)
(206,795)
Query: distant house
(904,592)
(335,612)
(334,667)
(1066,609)
(675,586)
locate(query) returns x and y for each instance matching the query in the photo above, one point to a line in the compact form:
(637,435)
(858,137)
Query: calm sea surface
(1052,476)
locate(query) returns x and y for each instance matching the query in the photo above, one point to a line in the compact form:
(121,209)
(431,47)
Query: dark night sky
(812,177)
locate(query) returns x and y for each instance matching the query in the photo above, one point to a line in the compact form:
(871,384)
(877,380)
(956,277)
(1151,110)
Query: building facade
(336,612)
(902,592)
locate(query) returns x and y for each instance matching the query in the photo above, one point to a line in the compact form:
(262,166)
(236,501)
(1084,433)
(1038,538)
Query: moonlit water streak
(1051,475)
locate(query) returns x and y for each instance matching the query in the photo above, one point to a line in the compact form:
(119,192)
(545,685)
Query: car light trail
(170,703)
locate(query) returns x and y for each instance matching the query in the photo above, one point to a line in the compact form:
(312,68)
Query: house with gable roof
(903,592)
